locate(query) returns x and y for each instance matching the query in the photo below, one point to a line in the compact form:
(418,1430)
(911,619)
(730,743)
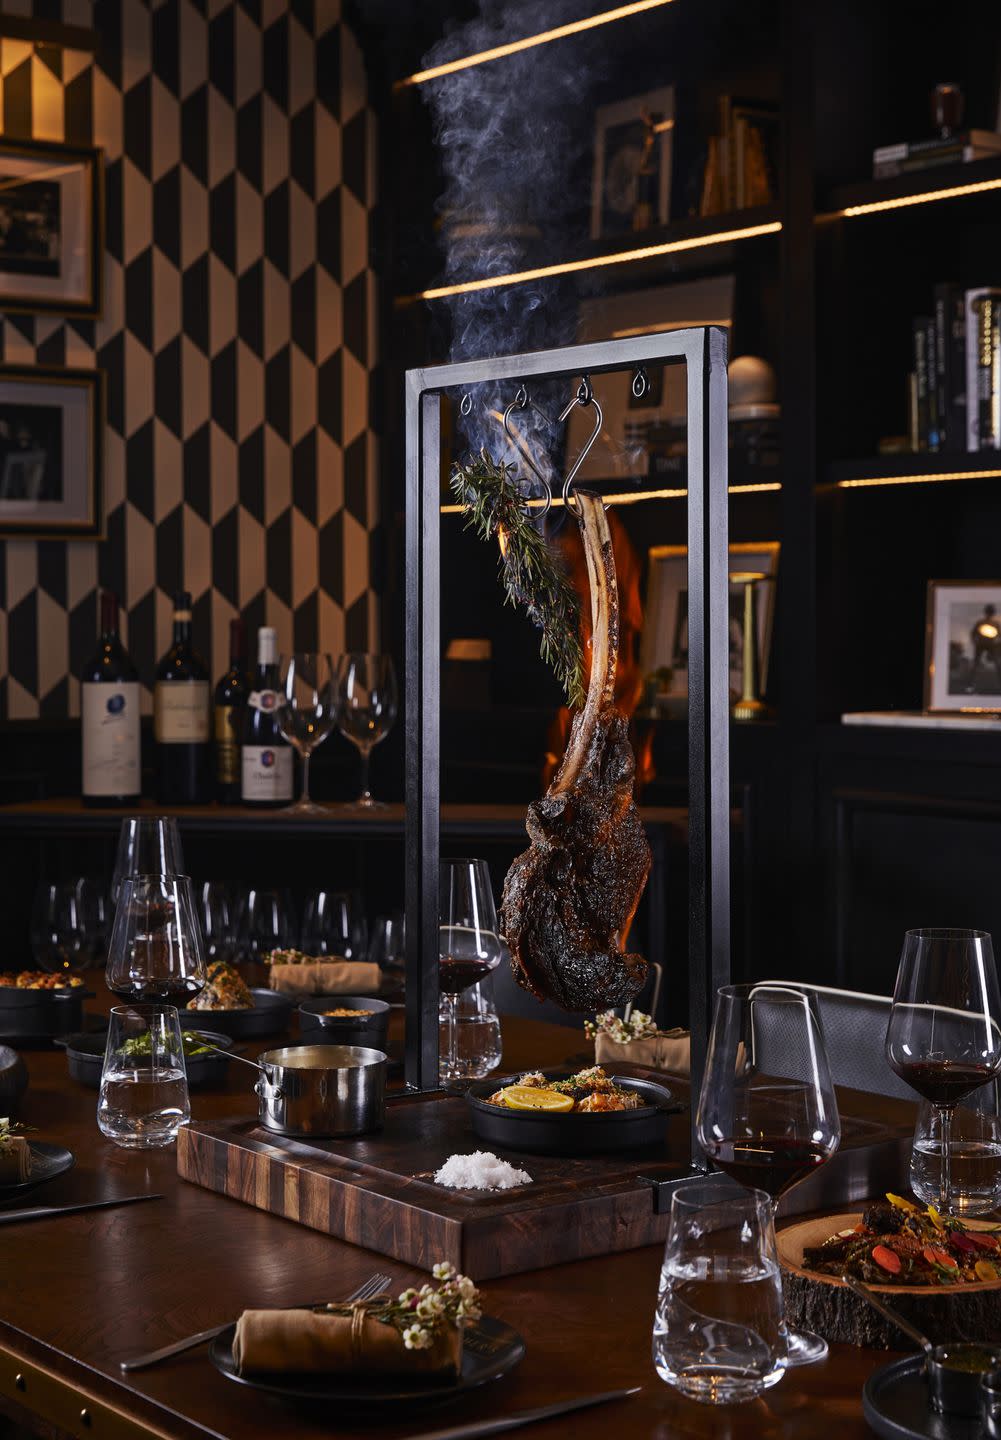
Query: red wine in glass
(457,975)
(943,1082)
(158,992)
(773,1163)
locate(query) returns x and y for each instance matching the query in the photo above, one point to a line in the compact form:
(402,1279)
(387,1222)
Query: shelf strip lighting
(594,262)
(940,475)
(560,32)
(923,198)
(630,497)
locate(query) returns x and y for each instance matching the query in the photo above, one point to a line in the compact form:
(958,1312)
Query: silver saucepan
(321,1090)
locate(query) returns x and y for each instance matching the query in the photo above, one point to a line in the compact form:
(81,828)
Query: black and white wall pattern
(237,335)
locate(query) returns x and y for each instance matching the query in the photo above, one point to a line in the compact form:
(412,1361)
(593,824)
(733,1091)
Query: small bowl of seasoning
(344,1020)
(957,1374)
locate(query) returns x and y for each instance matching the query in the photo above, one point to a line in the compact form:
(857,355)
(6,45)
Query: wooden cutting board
(377,1190)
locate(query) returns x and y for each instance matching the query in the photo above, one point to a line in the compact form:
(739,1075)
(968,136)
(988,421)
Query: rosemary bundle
(529,571)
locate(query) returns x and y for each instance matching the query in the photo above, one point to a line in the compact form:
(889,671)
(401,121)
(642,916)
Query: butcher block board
(826,1305)
(376,1190)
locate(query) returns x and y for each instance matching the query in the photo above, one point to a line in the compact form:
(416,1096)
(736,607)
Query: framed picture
(631,188)
(51,427)
(963,645)
(51,227)
(665,627)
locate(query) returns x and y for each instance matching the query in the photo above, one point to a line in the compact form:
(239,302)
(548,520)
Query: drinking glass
(215,914)
(767,1113)
(718,1334)
(469,946)
(306,714)
(92,903)
(266,922)
(156,952)
(333,923)
(366,707)
(974,1155)
(144,1086)
(943,1037)
(147,845)
(477,1033)
(57,930)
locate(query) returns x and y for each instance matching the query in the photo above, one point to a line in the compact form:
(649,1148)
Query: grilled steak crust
(570,898)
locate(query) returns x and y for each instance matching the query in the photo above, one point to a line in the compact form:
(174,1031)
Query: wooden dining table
(80,1293)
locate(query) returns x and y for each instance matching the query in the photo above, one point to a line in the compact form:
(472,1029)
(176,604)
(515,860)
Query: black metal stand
(703,352)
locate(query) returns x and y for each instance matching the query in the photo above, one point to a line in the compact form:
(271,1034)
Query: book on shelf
(958,149)
(919,336)
(740,160)
(950,365)
(983,368)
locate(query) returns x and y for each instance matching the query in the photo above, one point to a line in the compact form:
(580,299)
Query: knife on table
(475,1429)
(45,1212)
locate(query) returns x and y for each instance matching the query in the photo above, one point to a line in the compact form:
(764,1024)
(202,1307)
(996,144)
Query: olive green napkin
(325,977)
(318,1342)
(668,1050)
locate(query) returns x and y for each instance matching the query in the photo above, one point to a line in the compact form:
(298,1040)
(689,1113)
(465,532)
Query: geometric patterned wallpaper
(238,335)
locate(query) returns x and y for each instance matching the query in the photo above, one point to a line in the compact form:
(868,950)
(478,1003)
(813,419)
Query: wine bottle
(110,717)
(181,717)
(230,701)
(266,764)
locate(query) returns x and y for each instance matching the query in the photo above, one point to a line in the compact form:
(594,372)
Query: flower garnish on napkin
(418,1333)
(638,1041)
(15,1155)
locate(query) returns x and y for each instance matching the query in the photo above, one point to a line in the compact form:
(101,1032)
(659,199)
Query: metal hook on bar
(641,383)
(466,404)
(518,442)
(585,396)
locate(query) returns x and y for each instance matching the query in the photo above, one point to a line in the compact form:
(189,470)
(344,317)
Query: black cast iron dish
(85,1059)
(271,1013)
(320,1029)
(541,1132)
(896,1404)
(40,1014)
(13,1081)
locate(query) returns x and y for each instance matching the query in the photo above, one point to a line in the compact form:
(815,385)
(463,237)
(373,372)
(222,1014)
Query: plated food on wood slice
(589,1092)
(39,980)
(15,1155)
(225,990)
(570,899)
(897,1243)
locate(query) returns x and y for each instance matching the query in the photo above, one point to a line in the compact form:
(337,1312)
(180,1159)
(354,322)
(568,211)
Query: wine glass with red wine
(944,1033)
(469,945)
(767,1114)
(156,953)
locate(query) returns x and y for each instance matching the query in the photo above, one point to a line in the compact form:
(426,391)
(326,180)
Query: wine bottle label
(110,716)
(266,700)
(267,772)
(181,712)
(227,744)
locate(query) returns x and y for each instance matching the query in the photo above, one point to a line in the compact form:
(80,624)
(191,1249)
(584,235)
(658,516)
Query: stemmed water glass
(767,1113)
(265,921)
(469,946)
(333,923)
(366,707)
(943,1037)
(306,713)
(58,935)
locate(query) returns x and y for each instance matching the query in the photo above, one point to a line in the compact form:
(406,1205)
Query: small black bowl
(563,1133)
(370,1030)
(30,1015)
(270,1015)
(85,1059)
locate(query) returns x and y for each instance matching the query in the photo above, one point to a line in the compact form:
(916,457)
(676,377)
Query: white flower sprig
(637,1027)
(420,1315)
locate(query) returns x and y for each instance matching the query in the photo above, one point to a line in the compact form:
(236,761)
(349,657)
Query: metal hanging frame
(703,353)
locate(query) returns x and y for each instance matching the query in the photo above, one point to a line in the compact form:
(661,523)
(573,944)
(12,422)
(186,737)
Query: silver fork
(374,1285)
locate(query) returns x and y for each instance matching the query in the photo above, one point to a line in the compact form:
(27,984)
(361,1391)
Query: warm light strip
(595,262)
(953,192)
(498,52)
(630,497)
(918,479)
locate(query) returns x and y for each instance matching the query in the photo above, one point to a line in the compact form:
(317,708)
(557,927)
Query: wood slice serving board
(826,1305)
(376,1190)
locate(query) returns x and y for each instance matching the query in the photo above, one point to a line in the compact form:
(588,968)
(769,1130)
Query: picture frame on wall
(963,646)
(665,629)
(631,185)
(51,228)
(51,429)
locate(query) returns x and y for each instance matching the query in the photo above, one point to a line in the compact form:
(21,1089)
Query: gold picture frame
(51,452)
(962,655)
(51,228)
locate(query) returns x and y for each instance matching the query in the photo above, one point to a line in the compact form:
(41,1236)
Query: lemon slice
(527,1097)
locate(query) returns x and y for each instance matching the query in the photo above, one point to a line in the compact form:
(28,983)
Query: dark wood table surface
(80,1293)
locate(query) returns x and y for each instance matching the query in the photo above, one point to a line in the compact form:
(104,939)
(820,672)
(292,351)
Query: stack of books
(955,385)
(955,149)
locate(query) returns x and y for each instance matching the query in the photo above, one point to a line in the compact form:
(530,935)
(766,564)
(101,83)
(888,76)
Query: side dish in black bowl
(85,1057)
(30,1012)
(559,1112)
(345,1020)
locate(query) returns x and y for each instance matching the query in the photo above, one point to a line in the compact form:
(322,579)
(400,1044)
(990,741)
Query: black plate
(47,1161)
(895,1404)
(490,1350)
(85,1059)
(539,1132)
(271,1013)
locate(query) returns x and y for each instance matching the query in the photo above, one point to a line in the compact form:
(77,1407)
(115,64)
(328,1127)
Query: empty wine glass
(215,913)
(469,945)
(943,1037)
(305,714)
(147,845)
(767,1113)
(266,922)
(156,951)
(92,902)
(333,923)
(58,940)
(366,707)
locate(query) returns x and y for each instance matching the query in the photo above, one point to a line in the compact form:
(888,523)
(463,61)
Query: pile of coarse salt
(480,1171)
